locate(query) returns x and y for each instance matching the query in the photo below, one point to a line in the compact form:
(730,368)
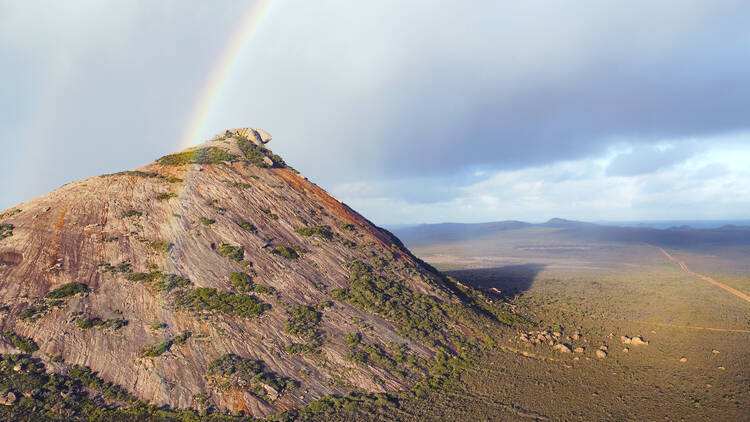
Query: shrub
(286,252)
(247,226)
(6,230)
(161,246)
(263,289)
(25,344)
(68,289)
(209,299)
(158,349)
(174,180)
(168,282)
(182,337)
(209,155)
(255,154)
(348,243)
(242,281)
(133,213)
(235,253)
(33,312)
(347,226)
(154,275)
(322,231)
(123,267)
(206,221)
(165,196)
(241,185)
(248,374)
(268,213)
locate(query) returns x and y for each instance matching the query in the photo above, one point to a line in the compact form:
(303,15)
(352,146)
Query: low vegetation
(85,323)
(269,213)
(163,196)
(161,282)
(285,252)
(247,226)
(232,252)
(25,344)
(133,213)
(209,155)
(206,221)
(66,290)
(165,346)
(206,299)
(303,321)
(420,316)
(6,230)
(320,231)
(259,156)
(161,246)
(243,282)
(238,372)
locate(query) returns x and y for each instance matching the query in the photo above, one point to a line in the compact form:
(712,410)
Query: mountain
(678,236)
(214,279)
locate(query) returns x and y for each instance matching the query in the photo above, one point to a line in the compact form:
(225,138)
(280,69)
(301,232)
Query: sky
(407,111)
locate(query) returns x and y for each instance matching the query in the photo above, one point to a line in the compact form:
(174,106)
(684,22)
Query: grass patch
(66,290)
(285,252)
(206,299)
(321,231)
(206,221)
(234,253)
(26,344)
(209,155)
(85,323)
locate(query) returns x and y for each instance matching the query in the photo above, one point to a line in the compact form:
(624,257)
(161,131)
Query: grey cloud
(648,159)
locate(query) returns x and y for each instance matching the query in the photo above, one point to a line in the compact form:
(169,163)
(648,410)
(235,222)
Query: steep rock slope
(219,277)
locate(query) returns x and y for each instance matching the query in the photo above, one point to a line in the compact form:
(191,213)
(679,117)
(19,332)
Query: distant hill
(681,236)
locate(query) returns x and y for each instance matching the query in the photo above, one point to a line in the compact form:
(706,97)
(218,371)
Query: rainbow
(220,73)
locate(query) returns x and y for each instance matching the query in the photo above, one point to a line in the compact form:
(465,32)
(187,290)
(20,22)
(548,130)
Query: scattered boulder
(7,399)
(561,348)
(603,347)
(578,350)
(601,354)
(721,368)
(683,359)
(638,341)
(625,339)
(625,350)
(716,352)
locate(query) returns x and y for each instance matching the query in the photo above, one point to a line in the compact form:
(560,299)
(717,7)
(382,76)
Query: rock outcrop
(155,277)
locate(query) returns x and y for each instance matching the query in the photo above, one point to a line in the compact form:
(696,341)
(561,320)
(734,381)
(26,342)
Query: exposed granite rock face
(112,232)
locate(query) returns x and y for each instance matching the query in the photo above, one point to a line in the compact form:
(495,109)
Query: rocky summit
(216,279)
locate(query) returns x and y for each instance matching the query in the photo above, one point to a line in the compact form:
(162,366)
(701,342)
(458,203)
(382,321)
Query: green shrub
(206,221)
(255,154)
(419,315)
(209,155)
(182,337)
(90,379)
(235,253)
(165,196)
(247,226)
(263,289)
(169,282)
(25,344)
(247,373)
(174,180)
(161,246)
(123,267)
(158,349)
(242,281)
(6,230)
(241,185)
(68,289)
(209,299)
(347,226)
(353,339)
(322,231)
(269,214)
(286,252)
(133,213)
(154,275)
(33,312)
(348,243)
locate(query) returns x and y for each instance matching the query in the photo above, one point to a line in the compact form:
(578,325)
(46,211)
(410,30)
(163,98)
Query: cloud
(648,159)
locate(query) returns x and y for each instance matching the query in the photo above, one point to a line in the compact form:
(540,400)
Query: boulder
(638,341)
(578,350)
(625,339)
(562,348)
(7,399)
(601,354)
(683,359)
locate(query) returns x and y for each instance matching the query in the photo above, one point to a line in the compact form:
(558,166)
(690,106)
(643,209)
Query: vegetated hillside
(215,279)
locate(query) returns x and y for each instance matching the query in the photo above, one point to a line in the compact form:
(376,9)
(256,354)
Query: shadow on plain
(511,280)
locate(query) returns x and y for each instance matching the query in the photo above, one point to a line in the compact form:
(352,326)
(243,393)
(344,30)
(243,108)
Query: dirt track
(706,278)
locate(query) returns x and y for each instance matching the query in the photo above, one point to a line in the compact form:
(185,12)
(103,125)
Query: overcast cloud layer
(410,112)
